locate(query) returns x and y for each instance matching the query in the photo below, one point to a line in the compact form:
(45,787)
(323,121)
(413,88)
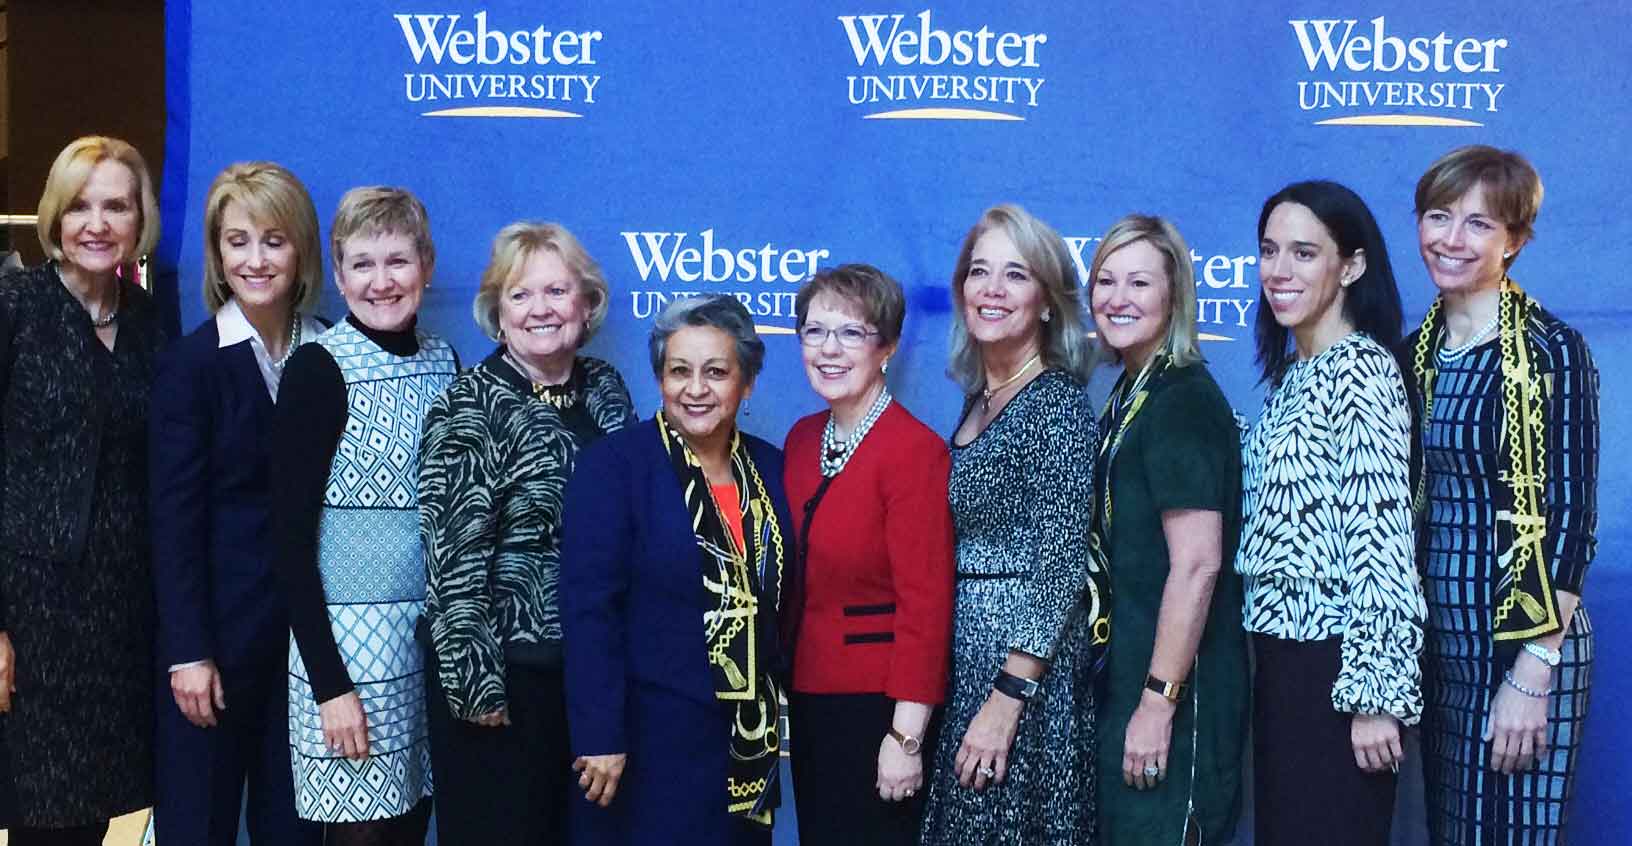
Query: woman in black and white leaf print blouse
(499,446)
(1332,596)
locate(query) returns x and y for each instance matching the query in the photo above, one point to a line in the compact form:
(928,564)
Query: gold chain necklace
(991,390)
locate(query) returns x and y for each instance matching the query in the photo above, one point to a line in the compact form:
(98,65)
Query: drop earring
(1047,315)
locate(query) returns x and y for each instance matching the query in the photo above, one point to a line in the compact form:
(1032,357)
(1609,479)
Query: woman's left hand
(986,744)
(494,719)
(1147,740)
(1517,728)
(899,775)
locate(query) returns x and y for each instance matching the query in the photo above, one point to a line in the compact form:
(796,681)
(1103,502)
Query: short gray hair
(721,311)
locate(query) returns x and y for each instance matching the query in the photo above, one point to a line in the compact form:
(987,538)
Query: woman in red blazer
(871,618)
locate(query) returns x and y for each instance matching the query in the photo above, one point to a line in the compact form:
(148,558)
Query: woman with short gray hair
(641,579)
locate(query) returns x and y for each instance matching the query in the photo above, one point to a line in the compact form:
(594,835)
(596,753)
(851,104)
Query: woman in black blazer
(223,632)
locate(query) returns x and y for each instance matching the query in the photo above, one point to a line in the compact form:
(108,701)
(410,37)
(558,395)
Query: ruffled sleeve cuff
(1381,673)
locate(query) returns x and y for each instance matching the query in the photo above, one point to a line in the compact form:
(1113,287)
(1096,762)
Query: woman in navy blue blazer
(222,629)
(676,538)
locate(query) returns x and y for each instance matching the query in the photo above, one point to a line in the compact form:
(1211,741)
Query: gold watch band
(1171,691)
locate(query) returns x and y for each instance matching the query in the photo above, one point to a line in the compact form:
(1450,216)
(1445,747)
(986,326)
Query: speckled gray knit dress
(1021,501)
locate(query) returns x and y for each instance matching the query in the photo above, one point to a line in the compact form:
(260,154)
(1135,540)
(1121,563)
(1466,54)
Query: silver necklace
(294,341)
(1454,353)
(111,315)
(835,452)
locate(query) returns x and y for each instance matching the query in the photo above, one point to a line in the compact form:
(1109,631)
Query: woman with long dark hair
(1332,599)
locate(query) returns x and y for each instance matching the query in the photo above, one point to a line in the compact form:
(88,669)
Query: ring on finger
(986,772)
(1152,771)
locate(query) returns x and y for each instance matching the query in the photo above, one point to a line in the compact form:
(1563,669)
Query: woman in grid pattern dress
(1508,648)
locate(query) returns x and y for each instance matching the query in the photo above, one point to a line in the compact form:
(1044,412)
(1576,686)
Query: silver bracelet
(1507,678)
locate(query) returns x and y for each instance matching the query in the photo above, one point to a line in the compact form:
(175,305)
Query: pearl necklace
(836,453)
(1454,353)
(294,341)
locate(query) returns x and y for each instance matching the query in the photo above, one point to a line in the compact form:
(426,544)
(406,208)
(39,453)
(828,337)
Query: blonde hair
(381,210)
(273,198)
(1064,339)
(512,248)
(1181,345)
(68,175)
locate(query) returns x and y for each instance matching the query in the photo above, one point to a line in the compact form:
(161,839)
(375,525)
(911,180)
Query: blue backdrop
(715,146)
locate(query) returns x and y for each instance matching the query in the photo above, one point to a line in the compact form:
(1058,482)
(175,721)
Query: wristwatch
(909,744)
(1010,684)
(1550,657)
(1171,691)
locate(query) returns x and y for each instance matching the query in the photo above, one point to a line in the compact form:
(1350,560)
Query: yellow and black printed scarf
(1524,581)
(737,582)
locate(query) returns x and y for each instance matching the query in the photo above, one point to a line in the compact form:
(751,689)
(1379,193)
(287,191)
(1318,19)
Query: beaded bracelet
(1507,677)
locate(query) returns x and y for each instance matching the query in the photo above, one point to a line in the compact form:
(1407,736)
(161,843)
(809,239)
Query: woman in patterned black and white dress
(1015,761)
(1332,598)
(1507,392)
(499,447)
(345,519)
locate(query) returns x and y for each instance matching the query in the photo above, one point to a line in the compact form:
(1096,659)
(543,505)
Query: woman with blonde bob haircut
(222,635)
(499,447)
(70,172)
(1173,706)
(1015,760)
(77,340)
(267,193)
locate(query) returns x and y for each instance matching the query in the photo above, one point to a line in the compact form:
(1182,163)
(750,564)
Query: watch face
(911,745)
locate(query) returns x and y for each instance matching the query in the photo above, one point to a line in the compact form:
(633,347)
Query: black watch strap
(1010,684)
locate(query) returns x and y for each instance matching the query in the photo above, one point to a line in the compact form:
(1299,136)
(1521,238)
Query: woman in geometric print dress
(1014,765)
(1332,596)
(346,522)
(1507,392)
(499,447)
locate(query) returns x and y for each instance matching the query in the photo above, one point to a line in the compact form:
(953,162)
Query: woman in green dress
(1167,478)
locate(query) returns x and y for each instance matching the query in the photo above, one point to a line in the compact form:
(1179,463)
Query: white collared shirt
(234,328)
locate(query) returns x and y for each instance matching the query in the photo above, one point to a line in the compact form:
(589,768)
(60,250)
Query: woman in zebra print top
(1332,598)
(499,446)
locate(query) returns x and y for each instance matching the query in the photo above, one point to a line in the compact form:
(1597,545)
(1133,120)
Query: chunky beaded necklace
(835,452)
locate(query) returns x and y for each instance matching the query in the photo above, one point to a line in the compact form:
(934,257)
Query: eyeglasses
(851,336)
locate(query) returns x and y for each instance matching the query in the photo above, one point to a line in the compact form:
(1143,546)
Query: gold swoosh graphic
(941,114)
(772,330)
(1396,120)
(501,112)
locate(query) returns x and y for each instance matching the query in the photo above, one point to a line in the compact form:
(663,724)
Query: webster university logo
(764,277)
(1370,74)
(474,67)
(915,67)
